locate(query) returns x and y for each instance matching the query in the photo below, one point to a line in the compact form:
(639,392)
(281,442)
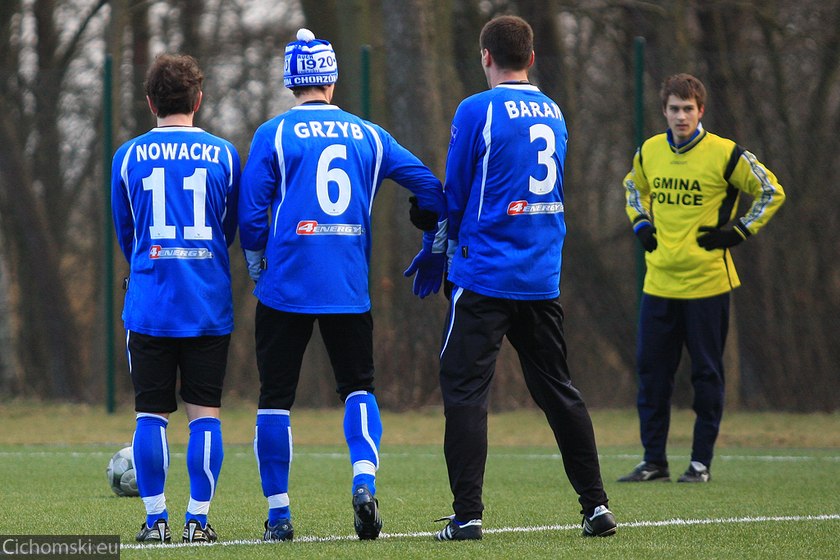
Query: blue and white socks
(363,432)
(205,453)
(273,449)
(151,464)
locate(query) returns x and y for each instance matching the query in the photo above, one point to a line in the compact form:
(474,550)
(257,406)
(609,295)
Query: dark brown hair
(300,90)
(684,86)
(510,41)
(173,83)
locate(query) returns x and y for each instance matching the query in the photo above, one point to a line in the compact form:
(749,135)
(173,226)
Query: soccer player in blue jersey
(174,194)
(505,200)
(305,225)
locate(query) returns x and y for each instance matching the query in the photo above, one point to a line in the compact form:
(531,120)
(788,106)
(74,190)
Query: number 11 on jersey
(197,183)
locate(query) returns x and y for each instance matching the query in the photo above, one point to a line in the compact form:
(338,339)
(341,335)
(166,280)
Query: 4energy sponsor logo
(518,207)
(312,227)
(158,252)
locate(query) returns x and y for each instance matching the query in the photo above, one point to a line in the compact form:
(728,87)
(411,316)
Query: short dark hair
(510,41)
(173,83)
(684,86)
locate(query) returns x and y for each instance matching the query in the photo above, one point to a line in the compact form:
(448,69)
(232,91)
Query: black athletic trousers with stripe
(471,340)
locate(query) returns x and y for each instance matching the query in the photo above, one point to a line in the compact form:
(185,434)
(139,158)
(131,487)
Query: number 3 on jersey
(197,183)
(544,157)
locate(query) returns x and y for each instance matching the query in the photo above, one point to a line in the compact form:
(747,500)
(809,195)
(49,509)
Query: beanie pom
(304,35)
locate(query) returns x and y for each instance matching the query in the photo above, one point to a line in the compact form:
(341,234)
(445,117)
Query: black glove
(424,220)
(716,238)
(647,237)
(447,288)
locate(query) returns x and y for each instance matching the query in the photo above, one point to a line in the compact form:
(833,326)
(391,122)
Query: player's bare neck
(313,96)
(175,120)
(498,76)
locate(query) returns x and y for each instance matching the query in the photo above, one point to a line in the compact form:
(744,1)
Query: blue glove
(429,268)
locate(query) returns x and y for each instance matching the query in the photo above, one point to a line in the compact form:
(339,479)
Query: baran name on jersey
(158,252)
(178,150)
(328,129)
(312,227)
(519,207)
(519,109)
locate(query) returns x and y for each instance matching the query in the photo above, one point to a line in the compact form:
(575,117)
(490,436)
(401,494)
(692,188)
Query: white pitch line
(529,456)
(761,458)
(533,529)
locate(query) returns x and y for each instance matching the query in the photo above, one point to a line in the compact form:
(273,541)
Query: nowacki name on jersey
(178,150)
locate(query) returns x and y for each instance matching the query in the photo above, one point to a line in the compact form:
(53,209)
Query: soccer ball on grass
(120,472)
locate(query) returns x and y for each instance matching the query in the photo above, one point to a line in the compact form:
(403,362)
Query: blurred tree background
(773,75)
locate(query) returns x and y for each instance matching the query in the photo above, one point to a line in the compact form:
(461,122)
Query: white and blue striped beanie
(309,62)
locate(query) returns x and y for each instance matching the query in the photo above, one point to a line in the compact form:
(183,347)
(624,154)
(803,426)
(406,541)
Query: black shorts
(154,362)
(282,338)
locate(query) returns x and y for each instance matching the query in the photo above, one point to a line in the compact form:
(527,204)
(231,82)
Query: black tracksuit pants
(471,341)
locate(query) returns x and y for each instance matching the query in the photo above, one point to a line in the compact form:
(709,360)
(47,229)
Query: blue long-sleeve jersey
(307,193)
(504,193)
(174,194)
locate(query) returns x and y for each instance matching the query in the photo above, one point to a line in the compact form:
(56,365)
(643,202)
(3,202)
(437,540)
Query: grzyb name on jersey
(328,129)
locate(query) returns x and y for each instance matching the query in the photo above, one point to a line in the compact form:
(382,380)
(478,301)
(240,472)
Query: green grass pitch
(769,497)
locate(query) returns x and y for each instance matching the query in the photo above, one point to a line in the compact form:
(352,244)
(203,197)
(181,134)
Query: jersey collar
(518,85)
(313,107)
(177,128)
(698,135)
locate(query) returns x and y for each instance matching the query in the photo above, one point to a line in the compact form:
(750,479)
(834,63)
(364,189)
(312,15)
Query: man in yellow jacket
(682,197)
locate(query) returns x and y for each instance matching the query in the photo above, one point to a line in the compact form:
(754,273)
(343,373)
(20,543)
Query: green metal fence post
(639,70)
(365,86)
(108,253)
